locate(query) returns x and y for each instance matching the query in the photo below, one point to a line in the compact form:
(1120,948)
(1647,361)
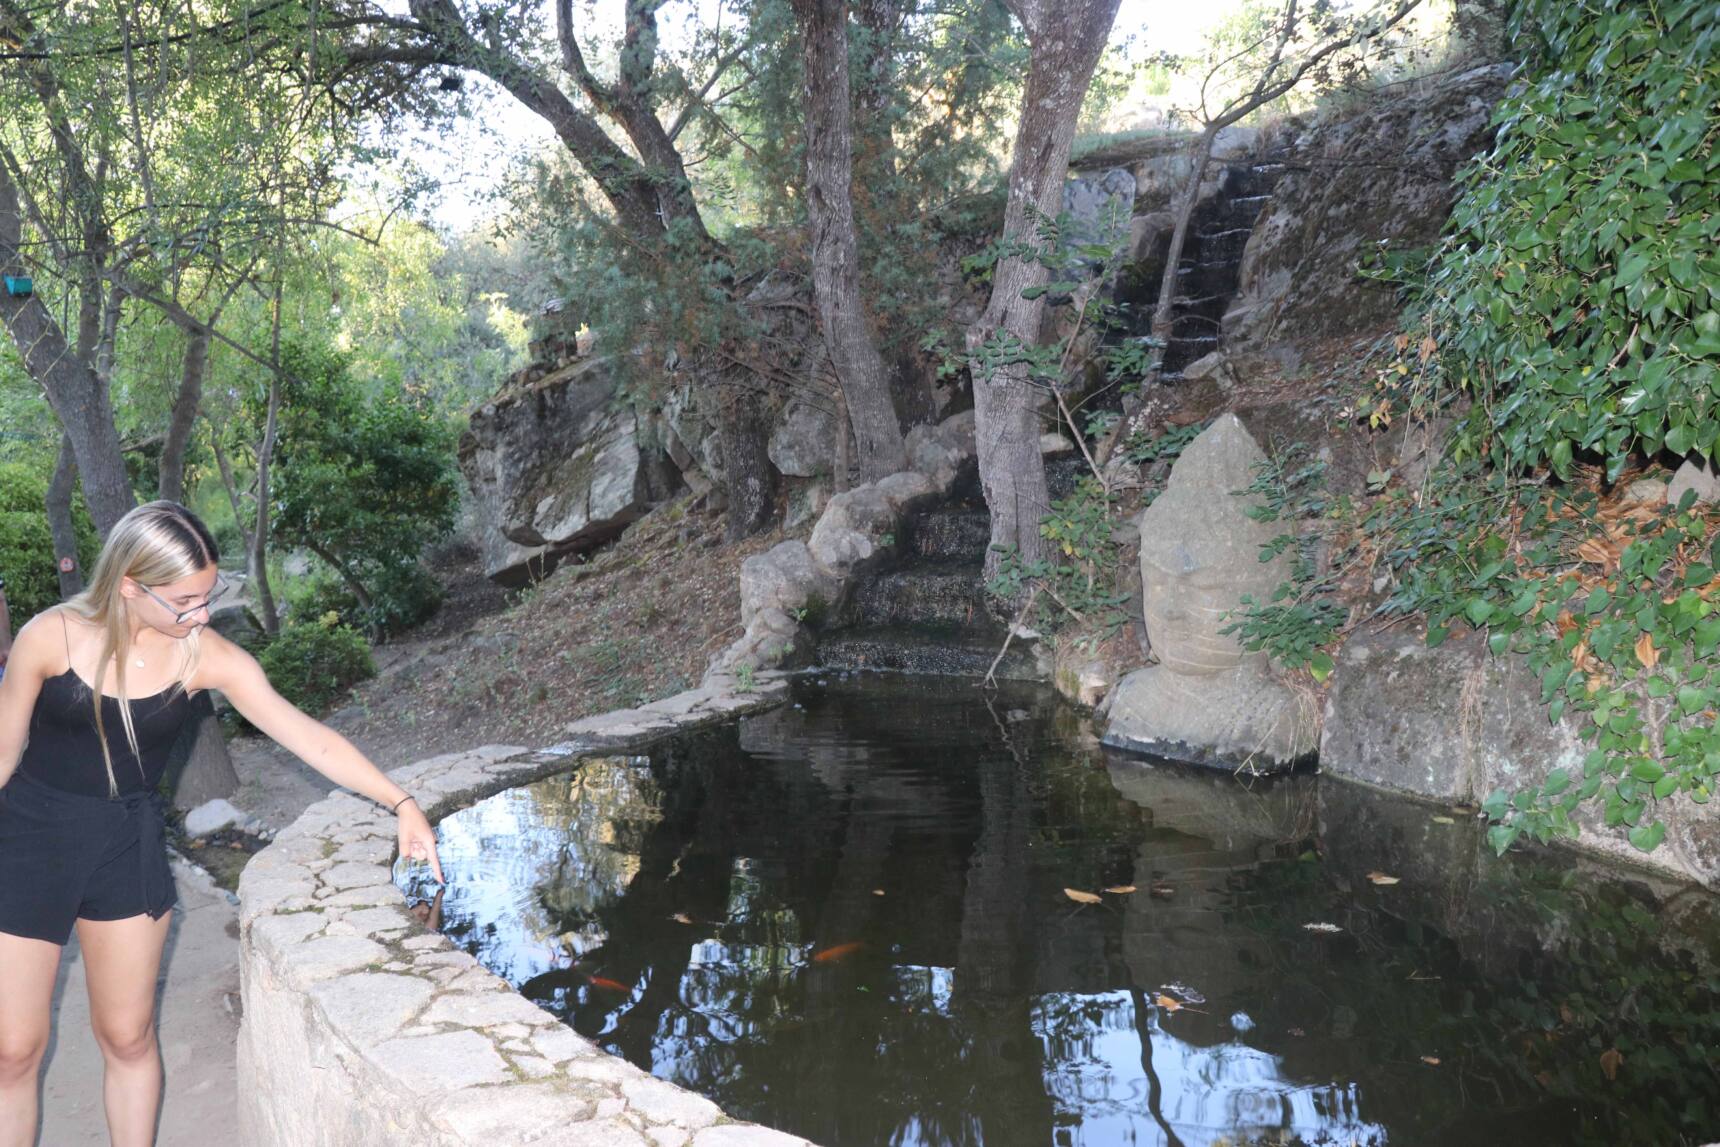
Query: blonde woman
(94,694)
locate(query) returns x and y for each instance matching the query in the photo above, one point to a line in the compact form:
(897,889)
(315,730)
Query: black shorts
(65,857)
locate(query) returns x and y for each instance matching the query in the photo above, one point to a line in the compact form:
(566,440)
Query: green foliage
(1612,610)
(313,663)
(27,558)
(1168,446)
(366,485)
(1576,300)
(1081,578)
(1300,621)
(1577,295)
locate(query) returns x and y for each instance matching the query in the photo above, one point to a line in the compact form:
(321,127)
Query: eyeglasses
(180,616)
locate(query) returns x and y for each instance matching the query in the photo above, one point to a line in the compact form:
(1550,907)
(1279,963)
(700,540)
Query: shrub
(26,547)
(312,664)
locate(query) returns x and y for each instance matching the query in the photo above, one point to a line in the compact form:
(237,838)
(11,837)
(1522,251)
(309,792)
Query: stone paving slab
(363,1028)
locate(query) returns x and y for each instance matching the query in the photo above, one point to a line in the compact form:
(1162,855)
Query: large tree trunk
(743,426)
(184,415)
(59,508)
(860,369)
(76,392)
(1066,38)
(256,557)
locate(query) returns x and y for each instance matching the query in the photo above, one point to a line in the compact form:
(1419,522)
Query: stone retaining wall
(361,1028)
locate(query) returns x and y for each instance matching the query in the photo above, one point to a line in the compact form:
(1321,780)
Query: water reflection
(849,920)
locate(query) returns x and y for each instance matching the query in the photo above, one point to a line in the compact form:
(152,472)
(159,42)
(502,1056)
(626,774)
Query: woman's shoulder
(43,640)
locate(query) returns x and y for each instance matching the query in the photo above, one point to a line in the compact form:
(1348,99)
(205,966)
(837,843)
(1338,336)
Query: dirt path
(198,999)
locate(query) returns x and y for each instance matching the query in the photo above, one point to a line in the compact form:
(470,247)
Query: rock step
(952,532)
(899,650)
(951,599)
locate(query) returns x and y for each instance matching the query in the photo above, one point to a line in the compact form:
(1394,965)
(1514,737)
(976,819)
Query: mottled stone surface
(360,1028)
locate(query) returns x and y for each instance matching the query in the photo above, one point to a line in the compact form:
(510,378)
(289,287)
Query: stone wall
(361,1028)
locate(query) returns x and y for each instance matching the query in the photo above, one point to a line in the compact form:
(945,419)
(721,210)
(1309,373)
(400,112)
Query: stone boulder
(1200,551)
(803,445)
(1243,718)
(559,467)
(1453,723)
(1380,176)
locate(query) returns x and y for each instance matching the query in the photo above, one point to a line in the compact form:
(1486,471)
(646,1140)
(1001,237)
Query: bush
(401,595)
(312,664)
(1577,294)
(26,547)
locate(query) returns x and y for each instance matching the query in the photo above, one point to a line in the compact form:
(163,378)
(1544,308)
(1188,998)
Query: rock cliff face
(558,467)
(1382,175)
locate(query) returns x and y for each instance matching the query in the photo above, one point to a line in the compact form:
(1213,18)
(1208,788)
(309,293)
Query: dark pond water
(848,920)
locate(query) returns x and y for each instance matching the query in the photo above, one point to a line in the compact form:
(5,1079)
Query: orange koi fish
(836,953)
(608,984)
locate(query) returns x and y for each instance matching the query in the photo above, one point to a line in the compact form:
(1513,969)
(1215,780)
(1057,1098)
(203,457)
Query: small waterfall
(1208,272)
(928,612)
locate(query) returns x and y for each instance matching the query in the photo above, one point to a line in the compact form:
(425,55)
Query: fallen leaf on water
(1297,1032)
(1430,1060)
(1080,897)
(1443,820)
(877,892)
(1611,1060)
(1121,889)
(837,952)
(1169,1003)
(1382,878)
(1162,891)
(681,918)
(1646,652)
(1322,927)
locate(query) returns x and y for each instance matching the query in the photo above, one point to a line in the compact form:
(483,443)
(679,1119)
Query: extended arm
(236,674)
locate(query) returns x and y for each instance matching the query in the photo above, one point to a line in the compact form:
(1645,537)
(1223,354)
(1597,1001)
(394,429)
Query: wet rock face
(560,467)
(1454,723)
(1383,175)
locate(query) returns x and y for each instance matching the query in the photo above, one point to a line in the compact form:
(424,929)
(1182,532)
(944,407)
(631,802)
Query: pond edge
(360,1026)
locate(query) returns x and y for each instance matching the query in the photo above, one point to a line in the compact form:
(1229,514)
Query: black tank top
(65,752)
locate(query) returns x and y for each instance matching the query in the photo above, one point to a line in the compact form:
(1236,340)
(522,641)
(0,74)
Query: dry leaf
(877,892)
(1443,820)
(1611,1060)
(1646,652)
(1121,889)
(1430,1060)
(1081,897)
(1428,348)
(1382,878)
(1169,1003)
(681,918)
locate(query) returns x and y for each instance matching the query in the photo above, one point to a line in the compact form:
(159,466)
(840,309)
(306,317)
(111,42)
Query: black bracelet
(401,801)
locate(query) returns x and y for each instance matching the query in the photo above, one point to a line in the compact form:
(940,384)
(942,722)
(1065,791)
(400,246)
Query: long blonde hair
(157,543)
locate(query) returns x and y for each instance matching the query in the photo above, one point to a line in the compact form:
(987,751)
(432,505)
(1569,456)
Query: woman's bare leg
(121,961)
(27,971)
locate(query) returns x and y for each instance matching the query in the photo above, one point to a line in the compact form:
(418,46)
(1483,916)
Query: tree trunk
(78,395)
(184,415)
(333,561)
(1065,39)
(59,508)
(256,559)
(744,426)
(860,369)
